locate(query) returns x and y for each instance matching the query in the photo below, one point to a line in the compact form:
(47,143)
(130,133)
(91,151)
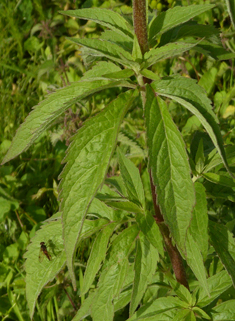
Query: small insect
(44,252)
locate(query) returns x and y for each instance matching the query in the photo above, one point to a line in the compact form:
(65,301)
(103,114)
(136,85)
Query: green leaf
(214,158)
(181,291)
(122,300)
(85,309)
(214,50)
(195,261)
(208,122)
(151,230)
(125,206)
(219,179)
(87,163)
(201,313)
(145,265)
(186,89)
(168,51)
(200,158)
(122,74)
(231,10)
(224,311)
(136,52)
(224,244)
(97,255)
(119,39)
(104,17)
(44,115)
(157,308)
(181,315)
(103,48)
(38,274)
(101,68)
(217,284)
(99,209)
(169,167)
(174,17)
(199,224)
(131,178)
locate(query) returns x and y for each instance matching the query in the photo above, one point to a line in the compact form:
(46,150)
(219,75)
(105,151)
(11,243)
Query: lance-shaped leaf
(168,51)
(38,274)
(97,255)
(44,115)
(145,265)
(224,311)
(104,17)
(169,167)
(176,89)
(131,179)
(199,225)
(87,163)
(103,48)
(174,17)
(224,244)
(113,274)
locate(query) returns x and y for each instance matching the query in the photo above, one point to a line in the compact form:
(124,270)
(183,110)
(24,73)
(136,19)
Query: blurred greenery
(36,59)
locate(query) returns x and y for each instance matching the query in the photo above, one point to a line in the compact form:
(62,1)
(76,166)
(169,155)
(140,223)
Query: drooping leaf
(105,17)
(204,115)
(145,265)
(158,309)
(174,17)
(168,51)
(214,50)
(44,115)
(87,163)
(38,274)
(195,261)
(131,178)
(199,224)
(169,167)
(103,48)
(224,244)
(217,284)
(113,274)
(97,255)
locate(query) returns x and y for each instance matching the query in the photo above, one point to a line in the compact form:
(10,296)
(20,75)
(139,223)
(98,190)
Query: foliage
(144,130)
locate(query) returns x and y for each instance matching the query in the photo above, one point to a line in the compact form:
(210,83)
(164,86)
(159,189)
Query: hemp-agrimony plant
(128,262)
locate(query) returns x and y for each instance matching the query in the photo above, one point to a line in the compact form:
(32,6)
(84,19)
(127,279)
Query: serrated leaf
(208,122)
(44,115)
(199,224)
(195,261)
(38,274)
(224,244)
(131,179)
(120,39)
(217,284)
(190,29)
(103,48)
(157,308)
(151,230)
(224,311)
(174,17)
(87,162)
(145,265)
(99,209)
(97,255)
(168,51)
(85,309)
(181,291)
(101,68)
(201,313)
(104,17)
(187,89)
(169,167)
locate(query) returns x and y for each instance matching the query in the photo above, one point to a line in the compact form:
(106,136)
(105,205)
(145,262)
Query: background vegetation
(36,59)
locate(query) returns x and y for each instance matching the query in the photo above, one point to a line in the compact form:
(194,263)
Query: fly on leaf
(44,252)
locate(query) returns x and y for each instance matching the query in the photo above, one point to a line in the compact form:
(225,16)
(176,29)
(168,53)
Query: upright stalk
(140,26)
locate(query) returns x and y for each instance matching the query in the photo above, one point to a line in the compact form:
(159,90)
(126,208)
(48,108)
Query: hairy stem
(140,26)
